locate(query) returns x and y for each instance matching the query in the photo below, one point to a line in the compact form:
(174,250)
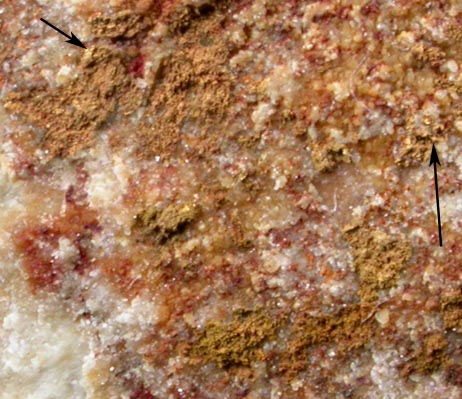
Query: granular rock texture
(230,199)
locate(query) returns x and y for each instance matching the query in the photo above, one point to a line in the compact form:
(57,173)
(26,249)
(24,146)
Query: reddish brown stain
(371,8)
(118,270)
(142,394)
(38,242)
(38,264)
(136,67)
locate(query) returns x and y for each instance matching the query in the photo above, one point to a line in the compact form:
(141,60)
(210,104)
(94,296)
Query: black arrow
(72,39)
(434,160)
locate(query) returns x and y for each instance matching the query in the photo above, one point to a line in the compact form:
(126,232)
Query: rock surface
(230,199)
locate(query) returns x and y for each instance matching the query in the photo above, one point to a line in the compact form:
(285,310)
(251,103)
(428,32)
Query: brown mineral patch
(421,134)
(453,374)
(325,158)
(451,308)
(238,343)
(192,96)
(139,6)
(428,55)
(429,357)
(123,25)
(163,224)
(189,102)
(181,18)
(414,149)
(454,32)
(378,259)
(348,329)
(85,104)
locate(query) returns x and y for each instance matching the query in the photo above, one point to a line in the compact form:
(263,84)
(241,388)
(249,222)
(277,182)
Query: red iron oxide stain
(37,242)
(38,262)
(25,168)
(167,6)
(142,394)
(136,67)
(371,9)
(119,272)
(454,374)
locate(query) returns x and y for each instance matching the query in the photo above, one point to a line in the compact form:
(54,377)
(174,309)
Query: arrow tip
(434,157)
(75,41)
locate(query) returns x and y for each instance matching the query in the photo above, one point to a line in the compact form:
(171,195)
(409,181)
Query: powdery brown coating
(238,343)
(347,330)
(125,24)
(192,92)
(162,224)
(378,259)
(451,307)
(70,115)
(431,355)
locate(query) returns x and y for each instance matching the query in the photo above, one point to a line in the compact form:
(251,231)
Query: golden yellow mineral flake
(326,158)
(421,133)
(162,224)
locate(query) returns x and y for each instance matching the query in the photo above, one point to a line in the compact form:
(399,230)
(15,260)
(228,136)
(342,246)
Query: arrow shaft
(55,28)
(438,205)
